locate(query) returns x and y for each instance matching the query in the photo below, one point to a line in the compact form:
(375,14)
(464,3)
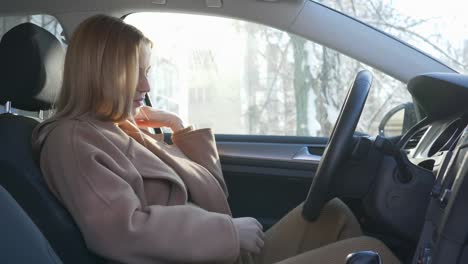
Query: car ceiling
(302,17)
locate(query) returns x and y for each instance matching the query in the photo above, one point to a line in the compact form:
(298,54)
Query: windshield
(438,28)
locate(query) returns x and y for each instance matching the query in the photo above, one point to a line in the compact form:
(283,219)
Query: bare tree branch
(277,73)
(425,40)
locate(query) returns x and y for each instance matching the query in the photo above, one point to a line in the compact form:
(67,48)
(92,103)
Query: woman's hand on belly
(250,233)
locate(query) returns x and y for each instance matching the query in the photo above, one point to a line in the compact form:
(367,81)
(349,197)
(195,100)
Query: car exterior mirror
(398,120)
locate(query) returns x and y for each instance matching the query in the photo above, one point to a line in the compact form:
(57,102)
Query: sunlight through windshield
(439,28)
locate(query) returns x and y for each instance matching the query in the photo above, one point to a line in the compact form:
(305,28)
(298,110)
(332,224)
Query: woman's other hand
(251,234)
(150,117)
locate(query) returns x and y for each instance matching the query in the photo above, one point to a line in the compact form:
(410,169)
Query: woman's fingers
(259,224)
(251,236)
(256,250)
(260,243)
(149,123)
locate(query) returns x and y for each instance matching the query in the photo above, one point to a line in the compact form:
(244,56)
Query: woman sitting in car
(137,199)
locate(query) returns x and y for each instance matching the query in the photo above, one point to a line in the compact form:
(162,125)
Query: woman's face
(143,86)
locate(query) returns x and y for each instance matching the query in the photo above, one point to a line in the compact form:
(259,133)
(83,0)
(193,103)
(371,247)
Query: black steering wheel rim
(338,146)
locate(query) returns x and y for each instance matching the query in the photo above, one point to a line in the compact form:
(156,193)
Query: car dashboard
(444,100)
(439,145)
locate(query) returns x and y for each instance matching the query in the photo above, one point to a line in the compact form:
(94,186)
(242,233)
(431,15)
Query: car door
(267,176)
(271,98)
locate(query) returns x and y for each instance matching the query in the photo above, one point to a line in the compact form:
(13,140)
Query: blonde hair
(101,69)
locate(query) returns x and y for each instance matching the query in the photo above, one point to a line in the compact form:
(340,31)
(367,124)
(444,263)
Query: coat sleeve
(200,146)
(110,215)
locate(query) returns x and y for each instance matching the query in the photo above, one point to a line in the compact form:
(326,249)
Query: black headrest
(31,67)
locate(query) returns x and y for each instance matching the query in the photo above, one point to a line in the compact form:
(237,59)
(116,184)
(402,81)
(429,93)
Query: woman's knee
(337,252)
(340,215)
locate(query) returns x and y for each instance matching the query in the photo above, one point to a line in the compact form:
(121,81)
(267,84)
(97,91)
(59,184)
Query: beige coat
(131,201)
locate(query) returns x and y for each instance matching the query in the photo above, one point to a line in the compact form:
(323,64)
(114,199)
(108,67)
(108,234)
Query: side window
(47,22)
(239,77)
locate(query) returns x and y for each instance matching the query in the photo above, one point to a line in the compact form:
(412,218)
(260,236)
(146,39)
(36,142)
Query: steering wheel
(339,146)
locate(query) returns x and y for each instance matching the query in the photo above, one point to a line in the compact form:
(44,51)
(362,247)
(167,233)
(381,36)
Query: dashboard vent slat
(414,140)
(447,138)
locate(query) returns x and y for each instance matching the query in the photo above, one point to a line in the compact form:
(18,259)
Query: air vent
(414,140)
(448,137)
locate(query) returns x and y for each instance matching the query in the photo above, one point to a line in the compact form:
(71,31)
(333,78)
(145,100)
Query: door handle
(304,154)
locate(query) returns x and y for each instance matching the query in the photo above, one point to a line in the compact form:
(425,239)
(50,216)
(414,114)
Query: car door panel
(268,176)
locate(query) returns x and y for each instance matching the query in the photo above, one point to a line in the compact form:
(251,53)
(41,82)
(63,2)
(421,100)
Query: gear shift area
(364,257)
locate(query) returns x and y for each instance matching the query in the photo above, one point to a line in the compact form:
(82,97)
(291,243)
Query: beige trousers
(328,240)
